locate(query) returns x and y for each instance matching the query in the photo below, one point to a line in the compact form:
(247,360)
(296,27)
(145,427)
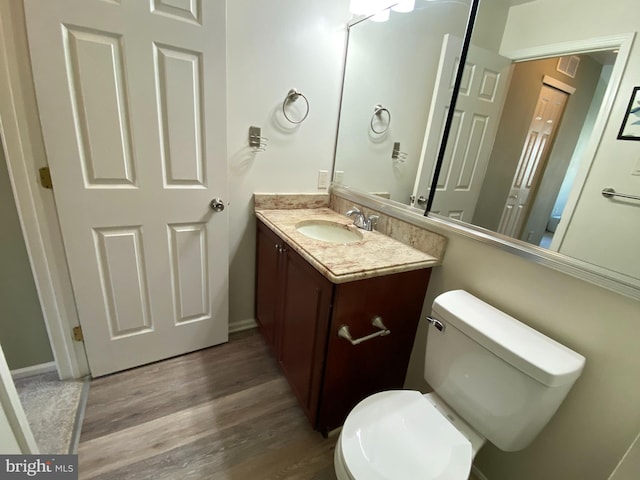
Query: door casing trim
(41,230)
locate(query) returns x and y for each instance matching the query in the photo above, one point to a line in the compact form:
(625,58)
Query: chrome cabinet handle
(217,205)
(343,332)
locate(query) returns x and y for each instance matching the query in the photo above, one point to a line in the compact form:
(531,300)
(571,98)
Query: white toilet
(493,377)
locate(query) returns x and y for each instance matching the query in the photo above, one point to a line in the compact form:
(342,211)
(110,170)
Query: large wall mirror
(511,159)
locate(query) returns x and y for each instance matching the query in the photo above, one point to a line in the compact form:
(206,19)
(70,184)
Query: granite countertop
(375,255)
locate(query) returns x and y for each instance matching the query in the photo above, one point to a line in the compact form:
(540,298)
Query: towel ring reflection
(378,110)
(292,96)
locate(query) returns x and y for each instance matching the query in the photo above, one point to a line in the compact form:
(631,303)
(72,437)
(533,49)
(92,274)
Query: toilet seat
(400,435)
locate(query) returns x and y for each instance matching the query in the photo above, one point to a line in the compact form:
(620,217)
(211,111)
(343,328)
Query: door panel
(123,278)
(125,90)
(178,77)
(100,107)
(305,319)
(546,118)
(189,272)
(268,280)
(475,121)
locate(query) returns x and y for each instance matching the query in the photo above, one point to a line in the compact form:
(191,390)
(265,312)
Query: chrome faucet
(361,220)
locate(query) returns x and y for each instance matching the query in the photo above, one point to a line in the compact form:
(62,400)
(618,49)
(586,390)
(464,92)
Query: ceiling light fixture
(381,16)
(404,6)
(380,8)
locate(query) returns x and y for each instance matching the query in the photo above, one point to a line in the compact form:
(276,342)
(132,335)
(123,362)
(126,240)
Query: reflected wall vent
(569,65)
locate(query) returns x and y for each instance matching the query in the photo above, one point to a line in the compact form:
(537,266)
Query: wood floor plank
(182,428)
(223,455)
(135,396)
(302,457)
(229,416)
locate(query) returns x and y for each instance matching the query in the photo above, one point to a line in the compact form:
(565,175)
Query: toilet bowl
(403,434)
(493,377)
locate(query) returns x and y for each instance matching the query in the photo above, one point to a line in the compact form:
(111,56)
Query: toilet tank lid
(533,353)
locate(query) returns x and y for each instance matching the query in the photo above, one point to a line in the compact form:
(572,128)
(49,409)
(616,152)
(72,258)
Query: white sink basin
(327,231)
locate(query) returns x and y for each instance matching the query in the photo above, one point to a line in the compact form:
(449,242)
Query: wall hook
(396,154)
(256,140)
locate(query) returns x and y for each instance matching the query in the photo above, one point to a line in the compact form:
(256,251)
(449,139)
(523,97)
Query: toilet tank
(502,377)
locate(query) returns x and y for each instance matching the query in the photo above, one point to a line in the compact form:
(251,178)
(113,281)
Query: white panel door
(132,103)
(478,108)
(544,124)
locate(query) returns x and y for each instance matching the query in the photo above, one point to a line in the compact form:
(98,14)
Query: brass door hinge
(45,178)
(77,334)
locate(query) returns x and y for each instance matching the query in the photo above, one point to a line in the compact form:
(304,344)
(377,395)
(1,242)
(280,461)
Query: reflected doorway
(535,152)
(565,153)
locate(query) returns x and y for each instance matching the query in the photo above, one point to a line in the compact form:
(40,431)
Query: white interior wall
(489,25)
(272,47)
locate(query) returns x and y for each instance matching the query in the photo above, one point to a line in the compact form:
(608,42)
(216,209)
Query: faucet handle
(373,221)
(354,211)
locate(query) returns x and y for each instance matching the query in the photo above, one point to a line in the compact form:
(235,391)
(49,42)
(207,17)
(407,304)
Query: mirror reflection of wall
(538,184)
(538,145)
(514,58)
(392,64)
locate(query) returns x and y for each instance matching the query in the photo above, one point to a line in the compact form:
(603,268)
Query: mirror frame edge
(575,268)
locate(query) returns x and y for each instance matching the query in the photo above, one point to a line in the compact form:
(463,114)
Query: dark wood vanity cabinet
(293,303)
(299,313)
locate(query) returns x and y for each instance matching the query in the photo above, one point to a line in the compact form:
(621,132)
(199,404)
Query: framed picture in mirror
(630,129)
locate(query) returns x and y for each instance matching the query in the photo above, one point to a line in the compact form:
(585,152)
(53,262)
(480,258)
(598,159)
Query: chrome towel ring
(292,96)
(378,111)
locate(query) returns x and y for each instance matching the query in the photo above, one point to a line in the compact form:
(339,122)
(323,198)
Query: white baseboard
(477,474)
(33,370)
(241,325)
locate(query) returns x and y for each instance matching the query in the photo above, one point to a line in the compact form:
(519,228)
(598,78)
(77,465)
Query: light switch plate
(323,179)
(338,176)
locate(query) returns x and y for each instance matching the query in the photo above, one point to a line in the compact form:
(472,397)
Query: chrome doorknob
(217,205)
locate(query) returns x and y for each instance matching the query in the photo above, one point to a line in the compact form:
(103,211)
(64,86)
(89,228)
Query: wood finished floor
(224,413)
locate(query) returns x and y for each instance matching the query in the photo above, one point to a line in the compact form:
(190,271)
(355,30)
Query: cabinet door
(354,372)
(303,332)
(268,295)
